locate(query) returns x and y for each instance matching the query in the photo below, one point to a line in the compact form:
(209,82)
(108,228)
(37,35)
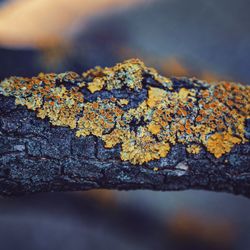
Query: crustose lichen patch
(185,111)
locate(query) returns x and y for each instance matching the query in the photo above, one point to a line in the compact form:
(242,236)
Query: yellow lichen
(201,114)
(127,74)
(166,82)
(155,96)
(184,93)
(142,148)
(193,149)
(154,128)
(96,85)
(123,101)
(221,143)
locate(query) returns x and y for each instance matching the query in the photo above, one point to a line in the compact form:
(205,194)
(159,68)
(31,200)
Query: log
(69,147)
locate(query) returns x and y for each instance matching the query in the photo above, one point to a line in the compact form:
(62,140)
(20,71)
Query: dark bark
(38,157)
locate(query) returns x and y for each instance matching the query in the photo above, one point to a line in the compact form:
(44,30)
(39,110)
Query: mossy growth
(185,111)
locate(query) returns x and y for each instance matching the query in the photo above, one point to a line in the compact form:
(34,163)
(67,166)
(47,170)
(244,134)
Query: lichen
(193,149)
(185,111)
(220,143)
(96,85)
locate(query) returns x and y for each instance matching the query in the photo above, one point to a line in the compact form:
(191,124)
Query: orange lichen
(187,111)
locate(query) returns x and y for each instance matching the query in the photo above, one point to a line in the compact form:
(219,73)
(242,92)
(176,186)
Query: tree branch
(36,156)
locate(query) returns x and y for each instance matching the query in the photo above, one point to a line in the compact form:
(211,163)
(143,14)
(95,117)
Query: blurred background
(206,39)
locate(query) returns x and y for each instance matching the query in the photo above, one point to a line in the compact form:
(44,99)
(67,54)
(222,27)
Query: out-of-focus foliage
(41,23)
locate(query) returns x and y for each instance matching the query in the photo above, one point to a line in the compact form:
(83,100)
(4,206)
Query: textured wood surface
(36,156)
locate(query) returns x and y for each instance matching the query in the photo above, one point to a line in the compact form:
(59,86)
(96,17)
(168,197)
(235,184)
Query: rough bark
(38,157)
